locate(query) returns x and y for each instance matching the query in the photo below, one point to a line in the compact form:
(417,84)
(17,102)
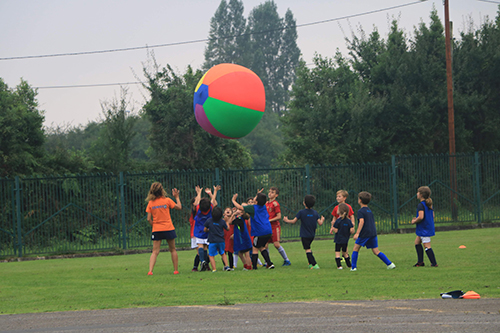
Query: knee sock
(383,258)
(230,259)
(348,261)
(255,257)
(266,251)
(265,254)
(196,261)
(201,254)
(420,253)
(281,250)
(338,260)
(235,261)
(354,259)
(310,258)
(430,255)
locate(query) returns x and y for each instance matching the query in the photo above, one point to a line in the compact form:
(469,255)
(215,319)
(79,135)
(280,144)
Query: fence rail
(67,214)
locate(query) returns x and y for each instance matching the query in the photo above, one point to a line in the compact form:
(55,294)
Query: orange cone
(462,247)
(471,295)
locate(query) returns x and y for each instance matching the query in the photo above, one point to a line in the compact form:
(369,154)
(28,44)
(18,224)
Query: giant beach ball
(229,101)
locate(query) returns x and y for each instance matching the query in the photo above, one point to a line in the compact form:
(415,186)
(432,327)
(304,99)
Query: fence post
(308,179)
(17,190)
(122,211)
(394,193)
(477,185)
(217,182)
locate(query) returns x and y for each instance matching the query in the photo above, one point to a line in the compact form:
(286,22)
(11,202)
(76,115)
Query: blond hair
(425,193)
(344,193)
(156,191)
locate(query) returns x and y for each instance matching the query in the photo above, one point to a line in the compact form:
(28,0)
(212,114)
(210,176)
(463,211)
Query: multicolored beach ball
(229,101)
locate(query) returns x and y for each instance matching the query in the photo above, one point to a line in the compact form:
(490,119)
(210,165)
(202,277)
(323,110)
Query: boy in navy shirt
(215,226)
(310,219)
(366,235)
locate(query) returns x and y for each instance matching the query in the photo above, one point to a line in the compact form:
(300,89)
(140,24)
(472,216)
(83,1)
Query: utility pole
(451,112)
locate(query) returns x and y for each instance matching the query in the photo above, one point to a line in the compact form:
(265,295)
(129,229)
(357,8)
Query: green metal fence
(68,214)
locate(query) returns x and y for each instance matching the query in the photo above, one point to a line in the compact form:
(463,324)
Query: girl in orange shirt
(159,217)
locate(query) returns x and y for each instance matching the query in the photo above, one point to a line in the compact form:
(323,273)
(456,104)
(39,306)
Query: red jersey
(336,215)
(227,238)
(273,208)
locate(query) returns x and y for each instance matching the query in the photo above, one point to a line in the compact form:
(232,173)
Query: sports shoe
(150,273)
(315,267)
(271,267)
(259,265)
(436,265)
(214,271)
(203,266)
(286,263)
(353,269)
(419,264)
(176,272)
(194,269)
(227,269)
(391,266)
(310,266)
(339,267)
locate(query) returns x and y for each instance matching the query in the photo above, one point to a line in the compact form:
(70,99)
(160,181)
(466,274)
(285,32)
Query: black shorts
(261,241)
(159,235)
(340,247)
(306,242)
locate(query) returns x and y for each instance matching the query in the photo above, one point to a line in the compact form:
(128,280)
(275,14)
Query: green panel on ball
(229,119)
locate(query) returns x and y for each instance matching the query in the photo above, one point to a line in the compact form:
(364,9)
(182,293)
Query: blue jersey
(426,227)
(343,230)
(309,219)
(369,229)
(242,241)
(199,223)
(259,220)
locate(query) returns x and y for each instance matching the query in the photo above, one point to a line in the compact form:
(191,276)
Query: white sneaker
(353,269)
(339,267)
(391,266)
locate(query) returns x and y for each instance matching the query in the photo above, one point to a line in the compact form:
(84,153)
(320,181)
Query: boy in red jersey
(274,210)
(341,198)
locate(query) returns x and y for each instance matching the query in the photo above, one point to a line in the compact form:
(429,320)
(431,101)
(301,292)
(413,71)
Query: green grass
(121,281)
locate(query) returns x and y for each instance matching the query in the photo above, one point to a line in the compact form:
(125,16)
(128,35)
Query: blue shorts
(370,242)
(159,235)
(216,248)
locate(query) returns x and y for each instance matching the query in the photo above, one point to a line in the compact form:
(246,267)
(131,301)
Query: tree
(22,134)
(177,141)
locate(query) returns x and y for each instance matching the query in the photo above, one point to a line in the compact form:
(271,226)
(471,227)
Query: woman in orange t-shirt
(159,217)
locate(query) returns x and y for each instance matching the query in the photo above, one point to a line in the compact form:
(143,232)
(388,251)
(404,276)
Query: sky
(34,28)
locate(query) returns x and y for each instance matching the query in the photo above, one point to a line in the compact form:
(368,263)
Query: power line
(207,39)
(497,2)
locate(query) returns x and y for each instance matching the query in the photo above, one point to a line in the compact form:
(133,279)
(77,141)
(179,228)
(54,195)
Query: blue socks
(354,259)
(384,258)
(201,253)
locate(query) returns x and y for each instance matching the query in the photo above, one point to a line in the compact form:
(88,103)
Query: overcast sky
(30,28)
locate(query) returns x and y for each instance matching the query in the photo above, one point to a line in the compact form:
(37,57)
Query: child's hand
(217,188)
(198,189)
(413,220)
(260,191)
(208,191)
(331,231)
(355,237)
(235,196)
(175,193)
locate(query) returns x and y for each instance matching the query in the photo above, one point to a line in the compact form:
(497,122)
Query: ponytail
(425,193)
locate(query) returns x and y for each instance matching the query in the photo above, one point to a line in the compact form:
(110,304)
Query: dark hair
(216,213)
(261,199)
(425,193)
(275,189)
(204,204)
(343,211)
(365,197)
(309,200)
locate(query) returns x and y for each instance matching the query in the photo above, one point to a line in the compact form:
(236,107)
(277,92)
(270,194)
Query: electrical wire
(208,39)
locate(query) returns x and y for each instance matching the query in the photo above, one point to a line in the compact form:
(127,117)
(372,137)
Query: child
(261,227)
(366,235)
(229,236)
(193,239)
(341,198)
(425,227)
(158,210)
(310,219)
(204,208)
(242,242)
(274,210)
(215,227)
(343,229)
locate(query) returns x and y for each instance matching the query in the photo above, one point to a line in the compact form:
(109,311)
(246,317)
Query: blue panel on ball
(200,96)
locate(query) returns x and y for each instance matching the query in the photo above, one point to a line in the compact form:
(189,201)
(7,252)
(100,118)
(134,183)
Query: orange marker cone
(462,247)
(471,295)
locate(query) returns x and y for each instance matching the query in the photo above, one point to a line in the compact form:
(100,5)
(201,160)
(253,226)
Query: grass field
(121,281)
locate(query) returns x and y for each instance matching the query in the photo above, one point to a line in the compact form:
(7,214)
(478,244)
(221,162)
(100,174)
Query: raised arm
(236,204)
(175,194)
(198,196)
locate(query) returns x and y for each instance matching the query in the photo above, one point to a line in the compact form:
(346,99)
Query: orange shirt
(160,211)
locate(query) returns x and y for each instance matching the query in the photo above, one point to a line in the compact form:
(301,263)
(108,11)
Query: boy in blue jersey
(425,227)
(215,226)
(310,219)
(366,235)
(260,225)
(203,213)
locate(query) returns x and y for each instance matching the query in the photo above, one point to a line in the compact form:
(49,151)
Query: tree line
(387,96)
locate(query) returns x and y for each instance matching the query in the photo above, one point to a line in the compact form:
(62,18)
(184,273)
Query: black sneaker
(419,264)
(204,266)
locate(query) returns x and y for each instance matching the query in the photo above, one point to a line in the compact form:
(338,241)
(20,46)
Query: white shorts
(425,240)
(193,243)
(201,240)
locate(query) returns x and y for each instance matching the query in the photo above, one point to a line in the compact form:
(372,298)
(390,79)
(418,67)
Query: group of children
(247,229)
